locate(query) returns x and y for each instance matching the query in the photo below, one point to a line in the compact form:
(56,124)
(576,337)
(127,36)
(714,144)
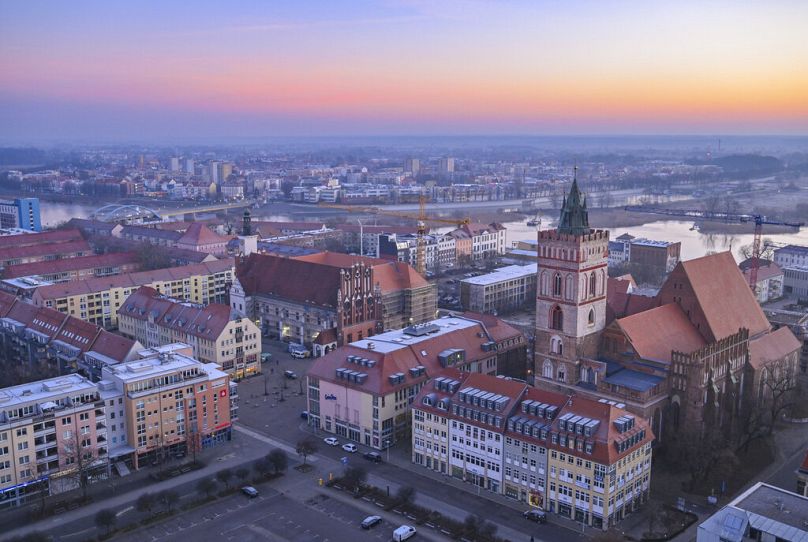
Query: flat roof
(651,243)
(634,380)
(43,390)
(391,341)
(153,366)
(506,273)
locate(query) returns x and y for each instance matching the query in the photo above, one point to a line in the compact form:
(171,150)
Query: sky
(100,70)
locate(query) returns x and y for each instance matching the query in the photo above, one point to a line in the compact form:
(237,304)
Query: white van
(300,354)
(405,532)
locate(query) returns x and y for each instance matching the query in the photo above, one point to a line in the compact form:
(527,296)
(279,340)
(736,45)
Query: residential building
(769,285)
(690,354)
(583,459)
(98,300)
(20,213)
(76,269)
(487,240)
(51,432)
(791,256)
(42,341)
(506,289)
(362,390)
(761,513)
(172,404)
(661,255)
(215,332)
(298,299)
(200,238)
(446,165)
(41,247)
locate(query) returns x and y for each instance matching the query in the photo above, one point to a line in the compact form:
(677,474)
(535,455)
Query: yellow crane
(421,221)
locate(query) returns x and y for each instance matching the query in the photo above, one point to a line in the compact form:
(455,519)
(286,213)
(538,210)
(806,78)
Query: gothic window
(557,284)
(602,282)
(543,283)
(547,369)
(569,288)
(562,374)
(592,285)
(591,318)
(557,318)
(556,347)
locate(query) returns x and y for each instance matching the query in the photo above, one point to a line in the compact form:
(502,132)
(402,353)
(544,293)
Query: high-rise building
(189,165)
(174,163)
(447,165)
(412,166)
(225,169)
(213,172)
(20,213)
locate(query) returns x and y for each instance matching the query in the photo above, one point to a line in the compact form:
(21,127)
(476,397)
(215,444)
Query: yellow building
(215,333)
(99,300)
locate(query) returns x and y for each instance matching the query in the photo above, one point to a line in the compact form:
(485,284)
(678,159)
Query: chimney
(371,345)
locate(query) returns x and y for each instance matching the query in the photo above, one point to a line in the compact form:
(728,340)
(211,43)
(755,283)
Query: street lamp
(387,445)
(361,238)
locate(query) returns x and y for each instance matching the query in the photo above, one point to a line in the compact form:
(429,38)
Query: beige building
(173,404)
(215,333)
(99,300)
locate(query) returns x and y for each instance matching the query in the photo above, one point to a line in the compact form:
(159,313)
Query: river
(694,243)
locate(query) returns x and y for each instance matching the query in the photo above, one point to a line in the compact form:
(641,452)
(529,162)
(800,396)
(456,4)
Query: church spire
(574,216)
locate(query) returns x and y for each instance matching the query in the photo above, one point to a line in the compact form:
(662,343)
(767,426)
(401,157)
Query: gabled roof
(46,249)
(200,235)
(65,265)
(289,278)
(44,238)
(772,346)
(655,333)
(725,299)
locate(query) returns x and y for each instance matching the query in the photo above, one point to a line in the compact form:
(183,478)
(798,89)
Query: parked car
(250,491)
(265,357)
(405,532)
(331,441)
(351,448)
(376,457)
(535,515)
(305,414)
(300,354)
(291,375)
(370,521)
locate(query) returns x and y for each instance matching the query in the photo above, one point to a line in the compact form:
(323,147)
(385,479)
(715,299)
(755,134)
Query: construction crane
(736,218)
(421,224)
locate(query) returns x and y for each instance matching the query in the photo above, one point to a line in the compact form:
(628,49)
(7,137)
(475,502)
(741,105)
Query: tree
(471,527)
(168,498)
(83,460)
(355,477)
(193,443)
(206,486)
(262,466)
(405,494)
(278,459)
(224,476)
(153,257)
(305,448)
(106,519)
(145,503)
(242,474)
(778,385)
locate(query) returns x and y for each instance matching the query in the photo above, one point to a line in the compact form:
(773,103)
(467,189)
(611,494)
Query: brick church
(689,355)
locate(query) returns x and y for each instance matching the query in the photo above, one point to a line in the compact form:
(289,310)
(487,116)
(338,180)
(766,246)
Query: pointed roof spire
(574,216)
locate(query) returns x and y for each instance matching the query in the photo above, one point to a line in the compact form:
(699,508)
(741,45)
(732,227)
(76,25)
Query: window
(557,284)
(591,318)
(592,285)
(557,318)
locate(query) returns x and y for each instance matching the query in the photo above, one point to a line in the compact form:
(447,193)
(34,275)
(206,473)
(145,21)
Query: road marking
(267,440)
(125,510)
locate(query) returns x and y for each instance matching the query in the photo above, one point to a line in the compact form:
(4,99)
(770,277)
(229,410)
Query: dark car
(290,374)
(373,456)
(370,521)
(535,515)
(305,414)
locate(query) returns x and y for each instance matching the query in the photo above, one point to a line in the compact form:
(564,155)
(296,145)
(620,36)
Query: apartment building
(75,269)
(791,256)
(49,430)
(506,289)
(362,391)
(98,300)
(582,459)
(39,341)
(42,247)
(215,332)
(173,404)
(487,240)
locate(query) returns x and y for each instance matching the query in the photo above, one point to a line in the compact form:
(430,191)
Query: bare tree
(278,459)
(305,448)
(224,476)
(355,477)
(106,518)
(83,462)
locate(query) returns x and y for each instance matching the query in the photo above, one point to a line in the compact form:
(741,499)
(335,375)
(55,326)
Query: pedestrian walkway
(268,440)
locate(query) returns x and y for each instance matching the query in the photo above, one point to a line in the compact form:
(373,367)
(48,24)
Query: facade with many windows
(586,460)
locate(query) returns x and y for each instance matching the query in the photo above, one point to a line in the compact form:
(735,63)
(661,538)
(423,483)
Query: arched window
(556,346)
(568,287)
(543,283)
(592,285)
(591,318)
(557,318)
(547,369)
(602,282)
(557,284)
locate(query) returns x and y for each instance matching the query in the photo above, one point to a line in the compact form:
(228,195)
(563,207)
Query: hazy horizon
(99,71)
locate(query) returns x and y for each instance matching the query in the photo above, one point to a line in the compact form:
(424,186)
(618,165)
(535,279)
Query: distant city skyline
(99,71)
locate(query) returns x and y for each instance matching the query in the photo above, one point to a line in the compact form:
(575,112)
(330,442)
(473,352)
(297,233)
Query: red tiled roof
(621,284)
(393,275)
(114,346)
(78,333)
(326,336)
(655,333)
(289,278)
(200,235)
(497,329)
(44,238)
(772,346)
(70,264)
(724,298)
(620,305)
(47,249)
(765,271)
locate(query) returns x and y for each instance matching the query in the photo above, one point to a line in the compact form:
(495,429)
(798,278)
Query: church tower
(570,294)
